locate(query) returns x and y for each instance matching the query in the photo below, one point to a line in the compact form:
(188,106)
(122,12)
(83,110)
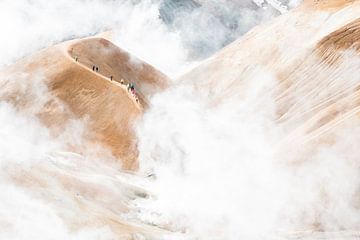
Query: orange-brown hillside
(76,91)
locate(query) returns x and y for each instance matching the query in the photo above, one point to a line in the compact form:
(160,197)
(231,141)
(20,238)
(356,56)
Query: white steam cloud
(41,184)
(220,173)
(215,167)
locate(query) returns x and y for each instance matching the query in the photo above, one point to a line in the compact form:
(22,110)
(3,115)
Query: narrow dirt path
(118,84)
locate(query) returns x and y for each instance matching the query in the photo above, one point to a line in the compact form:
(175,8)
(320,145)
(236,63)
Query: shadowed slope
(345,38)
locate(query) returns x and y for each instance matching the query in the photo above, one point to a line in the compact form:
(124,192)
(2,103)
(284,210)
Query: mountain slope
(75,91)
(310,53)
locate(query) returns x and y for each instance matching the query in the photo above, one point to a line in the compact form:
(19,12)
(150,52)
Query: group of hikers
(130,86)
(131,89)
(95,68)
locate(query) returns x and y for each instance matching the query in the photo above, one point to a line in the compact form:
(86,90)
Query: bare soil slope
(75,91)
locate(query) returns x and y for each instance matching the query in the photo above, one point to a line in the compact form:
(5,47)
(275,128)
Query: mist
(221,172)
(139,27)
(214,173)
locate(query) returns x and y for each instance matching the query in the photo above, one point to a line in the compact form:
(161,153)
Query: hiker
(111,77)
(76,58)
(97,69)
(93,67)
(131,88)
